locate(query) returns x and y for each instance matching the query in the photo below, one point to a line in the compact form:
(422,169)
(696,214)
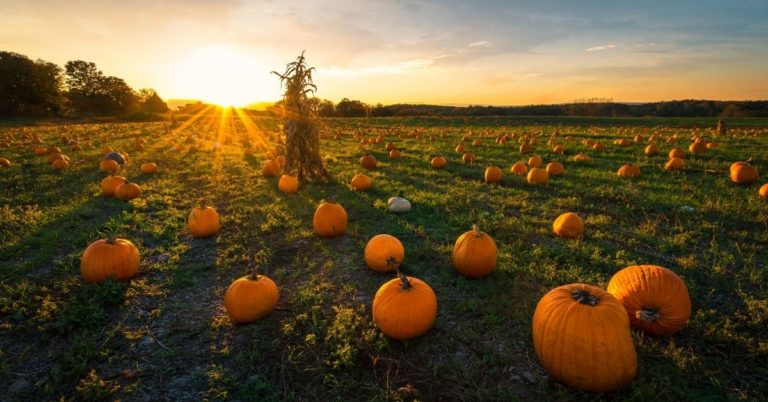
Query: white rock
(398,205)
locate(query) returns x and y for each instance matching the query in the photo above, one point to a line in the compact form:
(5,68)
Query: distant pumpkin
(676,153)
(492,174)
(555,169)
(519,168)
(203,221)
(568,225)
(651,150)
(395,154)
(629,171)
(109,185)
(368,161)
(330,219)
(538,176)
(674,164)
(361,182)
(270,168)
(148,168)
(763,192)
(468,158)
(127,191)
(438,162)
(474,253)
(535,161)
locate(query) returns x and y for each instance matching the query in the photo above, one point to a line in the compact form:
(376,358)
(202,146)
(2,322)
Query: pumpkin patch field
(524,259)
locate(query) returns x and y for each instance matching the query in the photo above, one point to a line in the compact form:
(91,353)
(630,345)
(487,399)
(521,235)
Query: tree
(29,87)
(91,92)
(151,102)
(300,125)
(350,108)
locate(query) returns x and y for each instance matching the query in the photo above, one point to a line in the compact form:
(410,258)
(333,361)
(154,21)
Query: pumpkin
(330,219)
(368,161)
(743,173)
(361,182)
(674,164)
(492,174)
(676,153)
(763,192)
(115,156)
(105,150)
(535,161)
(538,176)
(109,258)
(5,162)
(655,298)
(438,162)
(109,185)
(581,158)
(651,150)
(60,164)
(203,221)
(390,146)
(581,336)
(127,191)
(468,158)
(525,148)
(558,149)
(404,308)
(568,225)
(628,171)
(251,297)
(555,169)
(38,150)
(698,147)
(53,156)
(384,253)
(598,146)
(395,154)
(398,205)
(53,150)
(270,168)
(519,168)
(108,166)
(474,253)
(288,184)
(460,149)
(148,168)
(280,160)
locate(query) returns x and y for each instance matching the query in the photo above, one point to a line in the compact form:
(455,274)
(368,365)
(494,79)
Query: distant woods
(37,88)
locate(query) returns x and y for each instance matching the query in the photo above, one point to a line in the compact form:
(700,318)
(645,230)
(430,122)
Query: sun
(223,75)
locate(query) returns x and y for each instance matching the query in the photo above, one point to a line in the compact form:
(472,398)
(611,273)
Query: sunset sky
(443,52)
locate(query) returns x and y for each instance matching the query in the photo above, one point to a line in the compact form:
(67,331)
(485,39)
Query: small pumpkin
(581,336)
(538,176)
(674,164)
(568,225)
(398,205)
(460,149)
(535,161)
(109,185)
(474,253)
(330,219)
(651,150)
(361,182)
(519,168)
(127,191)
(5,162)
(404,308)
(203,221)
(390,146)
(676,153)
(629,171)
(109,258)
(743,173)
(468,158)
(148,168)
(492,174)
(655,298)
(250,298)
(763,192)
(383,253)
(61,164)
(288,184)
(368,161)
(395,154)
(581,158)
(438,162)
(698,147)
(525,148)
(108,166)
(555,169)
(270,168)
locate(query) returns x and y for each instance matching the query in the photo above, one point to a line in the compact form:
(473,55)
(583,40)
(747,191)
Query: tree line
(38,88)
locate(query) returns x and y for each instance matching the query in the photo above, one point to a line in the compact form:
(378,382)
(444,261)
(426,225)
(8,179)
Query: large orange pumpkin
(568,225)
(581,336)
(538,176)
(474,253)
(651,150)
(404,308)
(492,174)
(109,258)
(384,253)
(743,173)
(203,221)
(655,298)
(330,219)
(250,298)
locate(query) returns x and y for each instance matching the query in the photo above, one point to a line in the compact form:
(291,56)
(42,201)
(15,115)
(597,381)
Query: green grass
(166,332)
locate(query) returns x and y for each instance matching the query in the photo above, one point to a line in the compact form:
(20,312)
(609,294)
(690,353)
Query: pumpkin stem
(404,279)
(649,315)
(202,203)
(112,240)
(582,296)
(476,229)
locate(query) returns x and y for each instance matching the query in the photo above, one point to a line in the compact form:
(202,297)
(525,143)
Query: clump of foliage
(300,123)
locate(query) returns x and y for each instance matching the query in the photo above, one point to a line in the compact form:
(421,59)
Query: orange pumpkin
(555,169)
(270,168)
(651,150)
(629,171)
(568,225)
(468,158)
(535,161)
(676,153)
(674,164)
(361,182)
(288,184)
(108,166)
(61,164)
(109,258)
(519,168)
(698,147)
(384,253)
(368,161)
(5,162)
(581,336)
(474,253)
(492,174)
(763,192)
(390,146)
(404,308)
(395,154)
(203,221)
(743,173)
(581,158)
(127,191)
(330,219)
(525,148)
(148,168)
(538,176)
(251,298)
(109,185)
(438,162)
(655,298)
(460,149)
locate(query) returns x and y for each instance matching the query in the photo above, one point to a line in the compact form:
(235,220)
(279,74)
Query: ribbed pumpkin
(108,166)
(655,298)
(384,253)
(538,176)
(535,161)
(651,150)
(492,174)
(555,169)
(404,308)
(203,221)
(109,184)
(743,173)
(368,161)
(629,171)
(361,182)
(568,225)
(127,191)
(109,258)
(148,168)
(581,336)
(474,253)
(250,298)
(438,162)
(270,168)
(519,168)
(288,184)
(330,219)
(674,164)
(676,153)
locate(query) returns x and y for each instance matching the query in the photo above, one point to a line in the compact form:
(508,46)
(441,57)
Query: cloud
(479,43)
(389,69)
(601,48)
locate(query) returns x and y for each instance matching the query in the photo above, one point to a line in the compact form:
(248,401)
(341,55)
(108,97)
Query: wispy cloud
(389,69)
(601,48)
(478,43)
